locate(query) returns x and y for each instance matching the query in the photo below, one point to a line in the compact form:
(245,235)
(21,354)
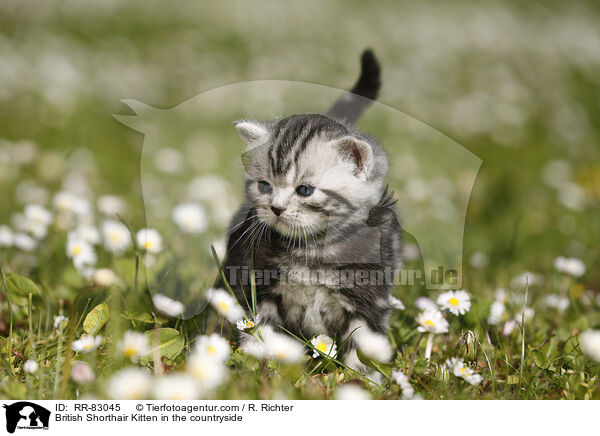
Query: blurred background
(514,83)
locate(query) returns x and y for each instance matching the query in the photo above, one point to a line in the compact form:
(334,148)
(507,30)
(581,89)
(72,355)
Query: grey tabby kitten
(318,224)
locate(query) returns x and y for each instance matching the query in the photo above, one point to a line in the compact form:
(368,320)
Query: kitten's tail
(351,105)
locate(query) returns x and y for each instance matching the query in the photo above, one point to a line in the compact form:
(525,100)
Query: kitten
(318,224)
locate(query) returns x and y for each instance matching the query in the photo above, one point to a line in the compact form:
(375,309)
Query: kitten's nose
(276,210)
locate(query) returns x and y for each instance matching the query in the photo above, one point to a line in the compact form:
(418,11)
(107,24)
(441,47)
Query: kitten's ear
(358,152)
(253,132)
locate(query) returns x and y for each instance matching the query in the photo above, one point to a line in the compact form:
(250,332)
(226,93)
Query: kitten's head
(308,174)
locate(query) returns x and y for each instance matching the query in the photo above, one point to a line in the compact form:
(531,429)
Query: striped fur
(347,224)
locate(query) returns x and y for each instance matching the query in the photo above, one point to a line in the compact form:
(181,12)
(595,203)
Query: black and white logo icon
(26,415)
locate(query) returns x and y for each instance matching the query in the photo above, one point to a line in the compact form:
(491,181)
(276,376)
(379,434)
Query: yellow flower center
(429,323)
(88,346)
(211,349)
(223,306)
(76,250)
(281,355)
(453,301)
(463,369)
(148,245)
(249,324)
(322,347)
(114,237)
(129,352)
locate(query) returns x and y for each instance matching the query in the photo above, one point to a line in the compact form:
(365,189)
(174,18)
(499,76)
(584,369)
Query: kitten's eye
(264,187)
(305,190)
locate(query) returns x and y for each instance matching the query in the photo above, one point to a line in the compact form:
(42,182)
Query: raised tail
(352,104)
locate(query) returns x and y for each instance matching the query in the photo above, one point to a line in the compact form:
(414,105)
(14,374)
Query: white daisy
(459,369)
(37,218)
(30,366)
(149,240)
(6,236)
(590,343)
(213,346)
(69,203)
(190,217)
(87,233)
(134,345)
(496,312)
(208,372)
(111,205)
(571,266)
(457,302)
(116,236)
(395,303)
(167,305)
(24,242)
(176,387)
(529,312)
(253,347)
(82,372)
(60,321)
(401,380)
(81,252)
(85,344)
(373,345)
(225,304)
(432,321)
(325,345)
(105,277)
(526,279)
(247,324)
(556,302)
(351,392)
(129,384)
(283,348)
(424,303)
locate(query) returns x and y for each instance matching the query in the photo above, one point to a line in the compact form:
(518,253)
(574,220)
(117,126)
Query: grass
(535,197)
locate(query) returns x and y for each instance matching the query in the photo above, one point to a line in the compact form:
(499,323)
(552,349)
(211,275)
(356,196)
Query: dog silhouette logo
(26,415)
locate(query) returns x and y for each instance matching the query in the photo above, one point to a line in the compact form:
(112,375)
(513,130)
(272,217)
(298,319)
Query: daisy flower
(325,345)
(190,217)
(116,236)
(424,303)
(60,321)
(87,233)
(457,302)
(459,369)
(37,220)
(213,346)
(432,321)
(129,384)
(496,312)
(395,303)
(225,304)
(401,380)
(81,252)
(133,345)
(351,392)
(82,372)
(167,305)
(67,202)
(373,345)
(150,240)
(30,366)
(253,347)
(176,387)
(590,343)
(556,302)
(110,205)
(571,266)
(105,277)
(247,324)
(283,348)
(6,236)
(208,372)
(86,344)
(24,242)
